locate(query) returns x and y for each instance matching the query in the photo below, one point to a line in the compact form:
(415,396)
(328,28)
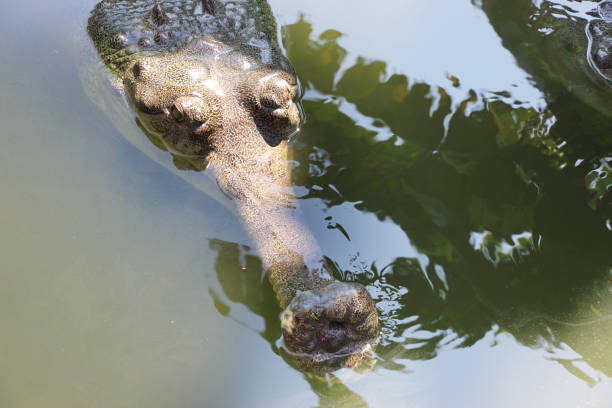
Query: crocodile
(566,47)
(208,84)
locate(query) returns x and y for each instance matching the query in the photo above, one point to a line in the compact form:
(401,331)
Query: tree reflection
(240,276)
(552,47)
(485,189)
(480,186)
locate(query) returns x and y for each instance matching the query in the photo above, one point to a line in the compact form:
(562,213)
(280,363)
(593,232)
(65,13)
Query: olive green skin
(562,53)
(208,83)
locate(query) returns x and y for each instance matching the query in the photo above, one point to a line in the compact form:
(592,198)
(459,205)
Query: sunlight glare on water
(428,41)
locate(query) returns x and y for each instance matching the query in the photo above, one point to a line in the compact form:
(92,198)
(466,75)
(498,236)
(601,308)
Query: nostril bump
(269,102)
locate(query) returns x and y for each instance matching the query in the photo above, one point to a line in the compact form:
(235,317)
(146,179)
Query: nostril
(332,336)
(176,110)
(333,332)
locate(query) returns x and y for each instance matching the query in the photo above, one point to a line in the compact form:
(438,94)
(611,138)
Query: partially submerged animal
(599,34)
(565,50)
(209,83)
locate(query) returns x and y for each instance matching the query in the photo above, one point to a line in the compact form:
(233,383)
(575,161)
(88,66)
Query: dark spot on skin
(268,101)
(161,124)
(139,68)
(332,337)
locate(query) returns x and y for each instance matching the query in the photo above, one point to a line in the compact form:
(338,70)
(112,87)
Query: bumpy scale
(209,83)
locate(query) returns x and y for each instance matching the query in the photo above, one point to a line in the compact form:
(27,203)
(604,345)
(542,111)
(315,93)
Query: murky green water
(456,160)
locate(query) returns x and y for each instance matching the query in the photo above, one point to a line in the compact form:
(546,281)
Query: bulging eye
(274,106)
(275,94)
(176,110)
(271,101)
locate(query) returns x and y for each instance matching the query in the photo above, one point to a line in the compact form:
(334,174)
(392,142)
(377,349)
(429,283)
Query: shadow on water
(515,236)
(240,275)
(508,204)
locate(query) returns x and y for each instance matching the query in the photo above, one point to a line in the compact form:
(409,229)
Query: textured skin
(599,34)
(216,91)
(124,29)
(325,327)
(562,51)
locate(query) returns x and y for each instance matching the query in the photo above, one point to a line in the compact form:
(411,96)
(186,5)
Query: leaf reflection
(450,169)
(485,188)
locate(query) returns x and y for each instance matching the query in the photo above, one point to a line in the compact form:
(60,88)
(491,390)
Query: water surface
(443,164)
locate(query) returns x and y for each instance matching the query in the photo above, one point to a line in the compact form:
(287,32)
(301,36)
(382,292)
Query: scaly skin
(208,83)
(560,51)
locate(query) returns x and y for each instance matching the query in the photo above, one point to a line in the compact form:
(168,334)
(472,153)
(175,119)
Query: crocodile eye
(275,95)
(177,112)
(270,101)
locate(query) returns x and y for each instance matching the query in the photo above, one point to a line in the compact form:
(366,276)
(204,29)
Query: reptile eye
(177,112)
(270,101)
(275,94)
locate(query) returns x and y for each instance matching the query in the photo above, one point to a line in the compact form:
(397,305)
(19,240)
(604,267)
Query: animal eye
(275,93)
(270,101)
(177,112)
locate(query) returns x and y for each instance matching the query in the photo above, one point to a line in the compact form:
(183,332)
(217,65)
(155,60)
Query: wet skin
(561,50)
(209,84)
(599,32)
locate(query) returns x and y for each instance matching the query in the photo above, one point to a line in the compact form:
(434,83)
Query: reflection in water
(553,49)
(491,192)
(104,292)
(241,277)
(488,192)
(486,187)
(221,96)
(599,34)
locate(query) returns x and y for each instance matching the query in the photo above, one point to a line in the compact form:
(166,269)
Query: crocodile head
(213,88)
(192,100)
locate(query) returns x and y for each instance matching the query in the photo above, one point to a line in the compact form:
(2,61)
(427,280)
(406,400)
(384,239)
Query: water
(444,164)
